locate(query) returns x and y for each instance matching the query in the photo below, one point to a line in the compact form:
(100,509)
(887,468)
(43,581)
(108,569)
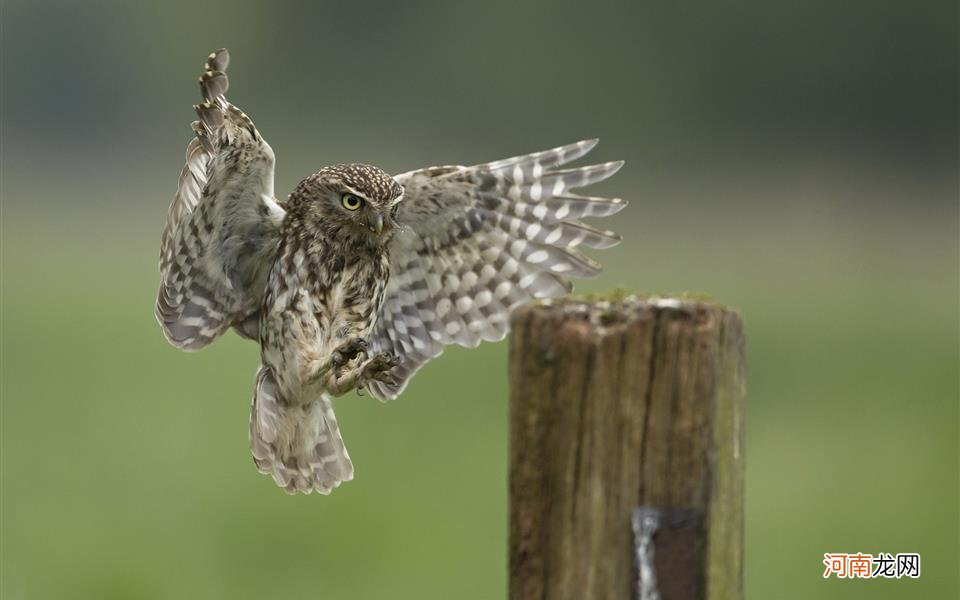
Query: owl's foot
(378,368)
(348,351)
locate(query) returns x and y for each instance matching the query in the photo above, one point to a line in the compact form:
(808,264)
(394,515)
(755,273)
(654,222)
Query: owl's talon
(348,351)
(394,360)
(379,365)
(379,368)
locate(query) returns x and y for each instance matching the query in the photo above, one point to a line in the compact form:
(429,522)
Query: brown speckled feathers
(358,278)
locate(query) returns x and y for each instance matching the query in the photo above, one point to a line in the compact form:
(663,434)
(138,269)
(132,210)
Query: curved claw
(380,364)
(348,351)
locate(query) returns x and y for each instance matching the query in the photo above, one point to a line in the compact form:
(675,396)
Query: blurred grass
(795,160)
(126,472)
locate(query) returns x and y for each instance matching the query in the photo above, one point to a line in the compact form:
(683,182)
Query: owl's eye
(351,202)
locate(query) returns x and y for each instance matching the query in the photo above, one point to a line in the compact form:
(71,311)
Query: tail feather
(299,445)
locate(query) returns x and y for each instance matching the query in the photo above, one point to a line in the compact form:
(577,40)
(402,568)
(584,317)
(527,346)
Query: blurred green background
(797,160)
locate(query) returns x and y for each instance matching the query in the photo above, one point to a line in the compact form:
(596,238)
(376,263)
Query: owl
(358,278)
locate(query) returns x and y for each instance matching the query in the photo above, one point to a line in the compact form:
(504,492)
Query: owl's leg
(375,368)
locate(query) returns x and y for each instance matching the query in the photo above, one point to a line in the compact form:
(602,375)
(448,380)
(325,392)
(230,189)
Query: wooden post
(614,406)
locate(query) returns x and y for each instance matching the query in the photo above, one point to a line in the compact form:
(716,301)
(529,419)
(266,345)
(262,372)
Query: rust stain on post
(614,406)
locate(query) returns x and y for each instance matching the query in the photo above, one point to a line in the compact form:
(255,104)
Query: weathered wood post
(617,406)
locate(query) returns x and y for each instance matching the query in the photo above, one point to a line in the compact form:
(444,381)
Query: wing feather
(222,226)
(478,241)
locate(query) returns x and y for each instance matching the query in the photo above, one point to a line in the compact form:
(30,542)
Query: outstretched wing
(222,226)
(477,241)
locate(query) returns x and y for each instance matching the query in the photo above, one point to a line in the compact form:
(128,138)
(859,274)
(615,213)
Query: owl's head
(350,203)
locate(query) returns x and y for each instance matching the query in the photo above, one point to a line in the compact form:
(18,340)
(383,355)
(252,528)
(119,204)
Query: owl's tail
(299,445)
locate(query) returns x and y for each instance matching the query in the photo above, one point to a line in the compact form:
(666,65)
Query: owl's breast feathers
(319,294)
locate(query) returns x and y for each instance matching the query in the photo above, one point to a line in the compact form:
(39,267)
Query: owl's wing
(222,226)
(478,241)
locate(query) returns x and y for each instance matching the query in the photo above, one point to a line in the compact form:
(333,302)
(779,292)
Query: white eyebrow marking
(355,192)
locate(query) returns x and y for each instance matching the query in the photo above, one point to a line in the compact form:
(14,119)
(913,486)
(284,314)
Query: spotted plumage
(357,278)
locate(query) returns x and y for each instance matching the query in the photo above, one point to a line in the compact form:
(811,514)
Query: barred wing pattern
(477,242)
(222,226)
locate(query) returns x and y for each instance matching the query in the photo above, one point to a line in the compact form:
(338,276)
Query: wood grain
(614,405)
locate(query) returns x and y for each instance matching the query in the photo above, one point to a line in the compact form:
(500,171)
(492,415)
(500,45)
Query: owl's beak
(375,223)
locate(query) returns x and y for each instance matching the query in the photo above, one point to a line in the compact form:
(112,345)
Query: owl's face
(353,203)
